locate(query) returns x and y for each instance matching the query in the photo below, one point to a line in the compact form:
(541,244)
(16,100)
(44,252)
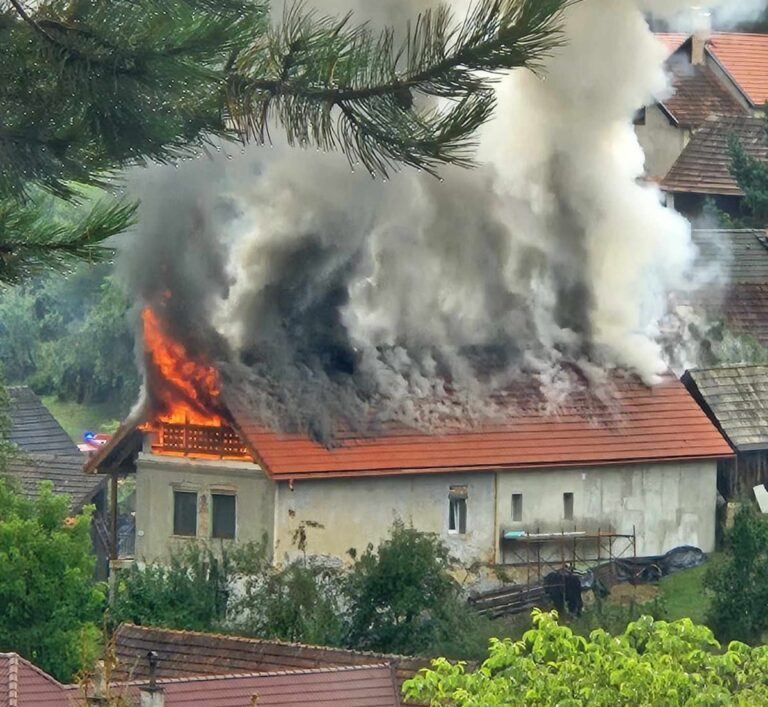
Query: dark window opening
(457,509)
(224,510)
(185,513)
(517,507)
(568,506)
(639,117)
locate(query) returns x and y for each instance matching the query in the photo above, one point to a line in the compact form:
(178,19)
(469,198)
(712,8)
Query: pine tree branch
(338,86)
(32,242)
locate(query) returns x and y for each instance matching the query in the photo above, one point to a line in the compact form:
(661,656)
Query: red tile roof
(194,653)
(703,166)
(672,40)
(349,686)
(745,58)
(635,423)
(23,684)
(698,94)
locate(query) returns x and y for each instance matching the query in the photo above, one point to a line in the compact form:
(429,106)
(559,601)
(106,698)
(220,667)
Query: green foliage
(401,596)
(739,580)
(191,592)
(49,604)
(70,338)
(751,174)
(89,87)
(650,663)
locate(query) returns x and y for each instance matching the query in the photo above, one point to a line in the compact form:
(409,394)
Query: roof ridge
(258,674)
(13,680)
(255,639)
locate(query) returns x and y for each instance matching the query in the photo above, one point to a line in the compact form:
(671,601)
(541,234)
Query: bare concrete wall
(669,504)
(158,476)
(661,141)
(355,512)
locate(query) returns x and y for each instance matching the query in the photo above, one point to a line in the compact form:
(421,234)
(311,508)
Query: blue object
(88,436)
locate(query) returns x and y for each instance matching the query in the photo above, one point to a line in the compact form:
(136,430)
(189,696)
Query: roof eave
(297,475)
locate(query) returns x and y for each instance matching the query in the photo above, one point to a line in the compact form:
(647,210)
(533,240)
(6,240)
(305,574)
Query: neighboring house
(719,87)
(623,459)
(47,453)
(703,169)
(33,427)
(22,684)
(732,276)
(736,400)
(182,654)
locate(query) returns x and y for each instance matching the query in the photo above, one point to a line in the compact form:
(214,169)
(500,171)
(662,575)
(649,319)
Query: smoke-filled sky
(327,290)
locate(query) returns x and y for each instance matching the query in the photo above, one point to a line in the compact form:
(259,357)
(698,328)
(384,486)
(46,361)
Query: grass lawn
(76,419)
(684,594)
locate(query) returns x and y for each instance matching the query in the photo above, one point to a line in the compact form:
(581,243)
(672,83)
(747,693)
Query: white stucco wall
(668,504)
(358,511)
(661,141)
(158,476)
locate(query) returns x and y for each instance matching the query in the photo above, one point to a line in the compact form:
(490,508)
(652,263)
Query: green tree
(50,608)
(401,596)
(751,174)
(88,87)
(739,581)
(650,663)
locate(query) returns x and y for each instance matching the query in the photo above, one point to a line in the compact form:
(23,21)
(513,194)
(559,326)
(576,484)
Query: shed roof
(33,427)
(739,260)
(65,471)
(185,653)
(347,686)
(744,57)
(698,94)
(23,684)
(736,398)
(703,166)
(625,421)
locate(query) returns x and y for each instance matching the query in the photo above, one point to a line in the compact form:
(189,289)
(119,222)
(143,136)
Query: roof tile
(33,427)
(745,58)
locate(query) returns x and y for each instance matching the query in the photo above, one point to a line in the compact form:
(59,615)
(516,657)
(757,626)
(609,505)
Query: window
(184,513)
(224,508)
(639,117)
(517,507)
(457,509)
(568,506)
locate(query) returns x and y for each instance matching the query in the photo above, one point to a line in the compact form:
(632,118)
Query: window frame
(196,495)
(517,508)
(227,494)
(568,505)
(458,510)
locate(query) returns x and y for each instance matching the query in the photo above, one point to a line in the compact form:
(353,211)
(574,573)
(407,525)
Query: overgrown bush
(649,663)
(739,581)
(50,607)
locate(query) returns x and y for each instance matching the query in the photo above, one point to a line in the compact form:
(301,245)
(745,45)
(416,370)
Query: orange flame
(187,387)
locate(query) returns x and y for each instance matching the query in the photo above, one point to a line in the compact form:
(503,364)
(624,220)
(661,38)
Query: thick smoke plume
(324,292)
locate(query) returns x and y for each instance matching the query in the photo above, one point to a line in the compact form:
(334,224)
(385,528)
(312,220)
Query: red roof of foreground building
(626,421)
(745,58)
(672,40)
(23,684)
(349,686)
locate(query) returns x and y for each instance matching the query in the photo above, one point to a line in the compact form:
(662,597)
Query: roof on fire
(703,166)
(626,421)
(736,397)
(185,653)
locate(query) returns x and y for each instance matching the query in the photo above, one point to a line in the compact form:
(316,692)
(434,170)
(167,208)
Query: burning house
(477,355)
(633,460)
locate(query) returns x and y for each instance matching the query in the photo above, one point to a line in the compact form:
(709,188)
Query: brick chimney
(702,33)
(152,694)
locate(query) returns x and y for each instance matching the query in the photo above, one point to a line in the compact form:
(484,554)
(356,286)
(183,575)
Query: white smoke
(331,286)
